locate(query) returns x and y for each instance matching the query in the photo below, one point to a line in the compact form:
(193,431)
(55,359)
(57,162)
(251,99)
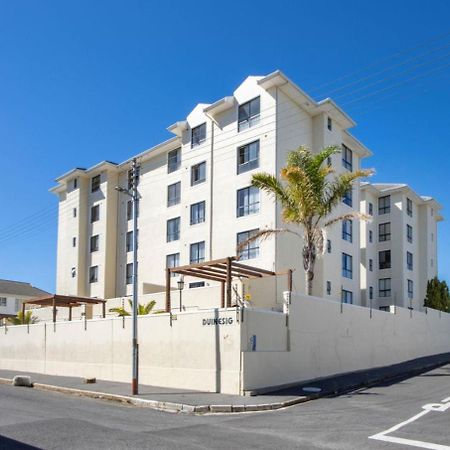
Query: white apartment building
(196,200)
(398,246)
(14,293)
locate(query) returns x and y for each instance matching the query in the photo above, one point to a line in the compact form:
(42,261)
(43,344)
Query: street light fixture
(180,284)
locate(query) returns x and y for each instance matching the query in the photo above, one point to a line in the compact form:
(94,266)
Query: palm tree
(143,310)
(20,319)
(308,197)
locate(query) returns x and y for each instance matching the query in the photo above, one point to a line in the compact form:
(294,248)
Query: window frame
(409,233)
(174,166)
(387,262)
(251,250)
(95,217)
(202,137)
(409,207)
(177,199)
(94,243)
(347,266)
(250,164)
(347,230)
(93,274)
(409,261)
(129,276)
(347,199)
(386,234)
(200,246)
(96,182)
(253,118)
(247,208)
(387,290)
(196,207)
(347,158)
(410,288)
(194,169)
(384,205)
(174,235)
(347,297)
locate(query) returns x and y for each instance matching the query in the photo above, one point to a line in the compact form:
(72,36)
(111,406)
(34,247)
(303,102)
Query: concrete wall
(189,354)
(325,341)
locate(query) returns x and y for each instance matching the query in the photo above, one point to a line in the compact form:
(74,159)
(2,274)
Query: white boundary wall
(324,341)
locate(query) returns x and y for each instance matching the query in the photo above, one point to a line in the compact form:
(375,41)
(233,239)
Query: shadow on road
(12,444)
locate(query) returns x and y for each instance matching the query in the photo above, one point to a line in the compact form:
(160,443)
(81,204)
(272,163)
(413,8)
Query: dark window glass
(347,230)
(410,289)
(129,273)
(370,236)
(347,265)
(197,252)
(198,135)
(384,287)
(409,207)
(384,232)
(173,229)
(384,259)
(249,114)
(94,243)
(371,265)
(93,274)
(384,205)
(95,183)
(329,123)
(409,233)
(370,293)
(347,296)
(328,246)
(95,213)
(348,198)
(247,201)
(173,260)
(173,160)
(198,173)
(347,158)
(248,157)
(251,249)
(174,194)
(197,213)
(409,260)
(371,209)
(328,287)
(196,284)
(74,242)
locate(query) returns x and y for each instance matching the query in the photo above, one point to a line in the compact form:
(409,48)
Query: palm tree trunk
(309,274)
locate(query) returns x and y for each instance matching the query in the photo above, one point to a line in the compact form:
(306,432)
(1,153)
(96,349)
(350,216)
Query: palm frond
(348,216)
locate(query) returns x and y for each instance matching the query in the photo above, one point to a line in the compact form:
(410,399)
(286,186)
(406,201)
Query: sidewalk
(177,400)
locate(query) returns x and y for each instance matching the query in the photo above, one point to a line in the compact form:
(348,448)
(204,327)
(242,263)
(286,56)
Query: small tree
(143,310)
(21,319)
(438,295)
(309,192)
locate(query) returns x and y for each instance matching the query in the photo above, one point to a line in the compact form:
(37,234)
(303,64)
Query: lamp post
(133,193)
(180,284)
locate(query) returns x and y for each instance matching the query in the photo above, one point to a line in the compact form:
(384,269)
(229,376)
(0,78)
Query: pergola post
(168,306)
(54,310)
(23,312)
(104,309)
(289,275)
(70,313)
(229,282)
(222,294)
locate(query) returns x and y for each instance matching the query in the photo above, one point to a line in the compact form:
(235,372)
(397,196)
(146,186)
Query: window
(329,161)
(75,183)
(347,296)
(74,212)
(347,158)
(174,194)
(249,250)
(248,114)
(73,272)
(329,123)
(198,135)
(384,259)
(384,232)
(173,160)
(409,207)
(197,213)
(130,209)
(347,265)
(328,287)
(247,201)
(3,301)
(196,284)
(198,173)
(94,243)
(74,242)
(371,209)
(173,229)
(384,287)
(129,241)
(370,293)
(410,289)
(130,178)
(248,157)
(95,213)
(95,183)
(347,230)
(328,246)
(371,265)
(173,260)
(93,274)
(129,273)
(409,260)
(384,205)
(409,233)
(197,252)
(348,198)
(370,236)
(384,308)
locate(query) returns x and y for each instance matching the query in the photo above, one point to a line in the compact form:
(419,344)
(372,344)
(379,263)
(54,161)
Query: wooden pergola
(221,270)
(64,301)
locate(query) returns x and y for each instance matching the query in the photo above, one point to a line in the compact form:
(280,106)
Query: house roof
(20,288)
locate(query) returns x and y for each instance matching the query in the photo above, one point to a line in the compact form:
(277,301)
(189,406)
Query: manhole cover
(311,389)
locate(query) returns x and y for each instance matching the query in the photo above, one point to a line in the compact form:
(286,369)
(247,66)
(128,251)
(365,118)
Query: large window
(198,173)
(129,241)
(3,301)
(248,157)
(173,260)
(347,158)
(384,287)
(371,209)
(93,274)
(197,252)
(197,213)
(347,230)
(384,205)
(384,231)
(347,265)
(251,249)
(409,260)
(410,289)
(347,296)
(247,201)
(95,183)
(173,229)
(95,213)
(370,236)
(409,233)
(174,194)
(370,265)
(129,273)
(348,198)
(173,160)
(94,243)
(249,114)
(384,259)
(409,207)
(198,135)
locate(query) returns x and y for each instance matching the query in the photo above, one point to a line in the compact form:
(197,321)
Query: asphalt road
(46,420)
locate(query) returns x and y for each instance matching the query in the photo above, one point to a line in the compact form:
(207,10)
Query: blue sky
(85,81)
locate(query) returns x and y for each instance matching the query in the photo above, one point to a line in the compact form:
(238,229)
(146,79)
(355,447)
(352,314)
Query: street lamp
(180,284)
(133,193)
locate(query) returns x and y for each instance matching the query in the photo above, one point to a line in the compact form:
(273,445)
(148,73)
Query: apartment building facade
(196,200)
(398,245)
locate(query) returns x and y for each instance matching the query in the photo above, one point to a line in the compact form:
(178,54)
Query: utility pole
(133,193)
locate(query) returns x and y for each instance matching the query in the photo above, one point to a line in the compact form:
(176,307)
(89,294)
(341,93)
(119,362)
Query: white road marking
(437,407)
